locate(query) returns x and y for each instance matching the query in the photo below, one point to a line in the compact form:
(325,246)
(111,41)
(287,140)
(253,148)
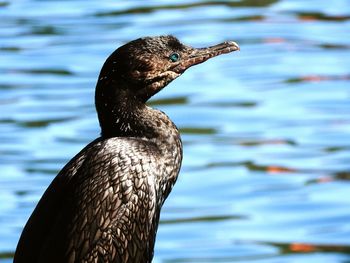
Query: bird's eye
(174,57)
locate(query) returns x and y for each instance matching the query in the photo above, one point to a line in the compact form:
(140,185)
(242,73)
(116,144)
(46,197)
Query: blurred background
(266,131)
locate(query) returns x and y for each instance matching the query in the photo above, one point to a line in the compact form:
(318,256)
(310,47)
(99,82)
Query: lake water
(266,130)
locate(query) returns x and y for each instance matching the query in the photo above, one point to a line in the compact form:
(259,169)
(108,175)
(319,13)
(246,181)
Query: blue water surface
(266,131)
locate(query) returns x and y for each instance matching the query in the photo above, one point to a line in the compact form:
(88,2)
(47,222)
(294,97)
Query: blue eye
(174,57)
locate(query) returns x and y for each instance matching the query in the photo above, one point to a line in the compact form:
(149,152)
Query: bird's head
(138,70)
(144,66)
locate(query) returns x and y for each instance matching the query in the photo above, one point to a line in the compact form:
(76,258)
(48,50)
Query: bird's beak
(199,55)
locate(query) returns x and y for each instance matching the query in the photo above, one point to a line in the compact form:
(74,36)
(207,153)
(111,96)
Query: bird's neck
(123,115)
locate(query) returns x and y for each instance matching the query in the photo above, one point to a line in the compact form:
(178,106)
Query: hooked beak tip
(233,45)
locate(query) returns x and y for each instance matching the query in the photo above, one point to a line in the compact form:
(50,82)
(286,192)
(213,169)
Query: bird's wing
(101,205)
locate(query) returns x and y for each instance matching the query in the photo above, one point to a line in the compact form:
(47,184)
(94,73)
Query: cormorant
(104,205)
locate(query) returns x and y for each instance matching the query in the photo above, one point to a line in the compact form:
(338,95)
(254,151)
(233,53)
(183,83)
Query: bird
(104,205)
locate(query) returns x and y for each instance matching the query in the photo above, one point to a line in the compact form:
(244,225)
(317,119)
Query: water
(266,131)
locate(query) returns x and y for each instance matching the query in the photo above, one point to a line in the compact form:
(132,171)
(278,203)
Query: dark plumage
(104,205)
